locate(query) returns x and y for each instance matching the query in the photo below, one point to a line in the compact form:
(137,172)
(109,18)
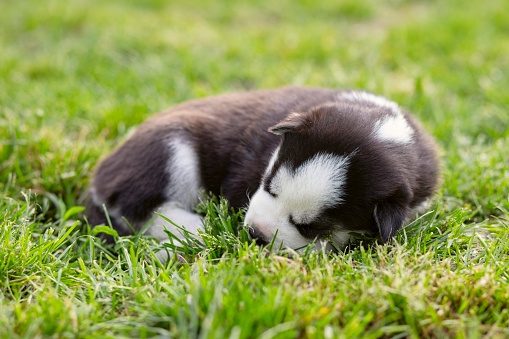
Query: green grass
(76,77)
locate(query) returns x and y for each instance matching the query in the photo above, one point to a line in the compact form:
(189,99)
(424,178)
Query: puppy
(310,164)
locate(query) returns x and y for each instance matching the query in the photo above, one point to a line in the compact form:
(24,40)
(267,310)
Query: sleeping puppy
(310,164)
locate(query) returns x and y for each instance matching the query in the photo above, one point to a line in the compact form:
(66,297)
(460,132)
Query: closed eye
(296,224)
(310,231)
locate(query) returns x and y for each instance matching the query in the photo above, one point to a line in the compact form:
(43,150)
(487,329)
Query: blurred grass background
(76,77)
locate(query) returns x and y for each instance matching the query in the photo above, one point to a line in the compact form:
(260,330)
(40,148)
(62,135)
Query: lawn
(77,77)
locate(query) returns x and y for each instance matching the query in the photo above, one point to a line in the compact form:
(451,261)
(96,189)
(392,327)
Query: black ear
(389,218)
(288,124)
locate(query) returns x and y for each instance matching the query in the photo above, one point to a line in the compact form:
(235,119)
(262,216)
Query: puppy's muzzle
(257,236)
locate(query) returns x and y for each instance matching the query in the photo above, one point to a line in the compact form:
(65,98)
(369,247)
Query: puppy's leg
(180,216)
(183,193)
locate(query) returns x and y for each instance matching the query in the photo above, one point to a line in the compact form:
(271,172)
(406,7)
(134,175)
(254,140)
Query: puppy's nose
(257,236)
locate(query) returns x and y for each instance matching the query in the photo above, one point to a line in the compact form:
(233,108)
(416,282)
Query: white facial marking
(361,96)
(302,194)
(184,185)
(269,216)
(314,186)
(393,129)
(272,160)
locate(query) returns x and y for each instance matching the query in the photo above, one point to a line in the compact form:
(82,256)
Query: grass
(77,77)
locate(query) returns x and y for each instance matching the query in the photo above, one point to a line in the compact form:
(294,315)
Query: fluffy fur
(333,162)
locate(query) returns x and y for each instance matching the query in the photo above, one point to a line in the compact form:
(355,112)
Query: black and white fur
(334,162)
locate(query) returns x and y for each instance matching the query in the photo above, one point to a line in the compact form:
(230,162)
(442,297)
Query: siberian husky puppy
(309,164)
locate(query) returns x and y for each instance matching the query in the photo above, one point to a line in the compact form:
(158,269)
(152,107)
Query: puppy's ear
(389,217)
(288,124)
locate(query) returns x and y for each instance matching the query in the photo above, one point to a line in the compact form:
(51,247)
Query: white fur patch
(183,193)
(183,170)
(393,129)
(179,216)
(302,194)
(272,160)
(361,96)
(341,238)
(314,186)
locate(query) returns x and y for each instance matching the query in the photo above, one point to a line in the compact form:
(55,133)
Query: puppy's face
(294,202)
(319,184)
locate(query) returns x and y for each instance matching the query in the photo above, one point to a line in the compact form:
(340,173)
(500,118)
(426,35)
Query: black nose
(257,236)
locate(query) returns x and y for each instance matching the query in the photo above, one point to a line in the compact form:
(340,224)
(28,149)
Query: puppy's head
(331,175)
